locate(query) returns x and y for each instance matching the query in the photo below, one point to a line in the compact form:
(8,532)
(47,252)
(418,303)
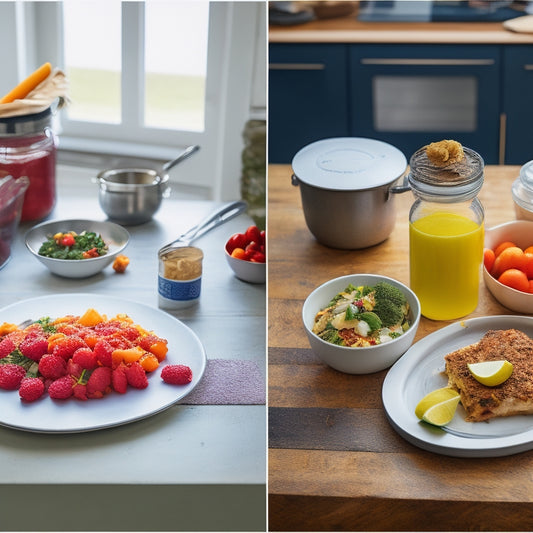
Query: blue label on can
(179,290)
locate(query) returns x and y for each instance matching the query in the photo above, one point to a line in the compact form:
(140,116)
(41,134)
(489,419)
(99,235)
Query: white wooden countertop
(194,457)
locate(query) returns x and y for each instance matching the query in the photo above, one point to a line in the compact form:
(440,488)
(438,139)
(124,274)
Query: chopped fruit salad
(72,245)
(363,316)
(85,357)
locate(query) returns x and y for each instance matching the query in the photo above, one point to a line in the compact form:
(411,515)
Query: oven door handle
(296,66)
(426,62)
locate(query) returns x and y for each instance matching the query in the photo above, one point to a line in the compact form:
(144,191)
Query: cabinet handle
(419,61)
(296,66)
(528,67)
(503,138)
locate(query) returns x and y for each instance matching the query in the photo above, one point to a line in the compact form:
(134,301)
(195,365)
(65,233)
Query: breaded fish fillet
(512,397)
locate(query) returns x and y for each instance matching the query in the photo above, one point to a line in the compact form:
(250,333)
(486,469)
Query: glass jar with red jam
(28,148)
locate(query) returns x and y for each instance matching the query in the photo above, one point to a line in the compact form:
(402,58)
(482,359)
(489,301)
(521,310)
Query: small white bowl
(363,360)
(521,233)
(115,236)
(246,270)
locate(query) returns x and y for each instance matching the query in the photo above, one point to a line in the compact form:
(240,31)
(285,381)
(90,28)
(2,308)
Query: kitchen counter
(335,462)
(190,467)
(350,30)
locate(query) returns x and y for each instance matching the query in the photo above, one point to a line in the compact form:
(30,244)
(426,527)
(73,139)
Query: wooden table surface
(335,463)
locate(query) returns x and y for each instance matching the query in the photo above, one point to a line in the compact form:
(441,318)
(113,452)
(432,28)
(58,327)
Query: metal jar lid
(348,164)
(25,124)
(455,182)
(522,189)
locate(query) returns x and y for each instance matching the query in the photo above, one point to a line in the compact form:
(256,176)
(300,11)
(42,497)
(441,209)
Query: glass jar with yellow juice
(446,232)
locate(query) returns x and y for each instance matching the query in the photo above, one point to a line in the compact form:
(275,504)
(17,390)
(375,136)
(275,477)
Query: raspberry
(99,381)
(84,357)
(73,369)
(61,388)
(34,347)
(176,374)
(67,347)
(119,380)
(136,376)
(10,376)
(52,366)
(103,351)
(31,389)
(147,341)
(6,346)
(80,392)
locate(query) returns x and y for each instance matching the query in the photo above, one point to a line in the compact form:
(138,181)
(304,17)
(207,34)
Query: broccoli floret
(331,335)
(372,319)
(389,312)
(386,291)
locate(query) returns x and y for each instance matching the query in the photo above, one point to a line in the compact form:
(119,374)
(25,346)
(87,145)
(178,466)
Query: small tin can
(180,277)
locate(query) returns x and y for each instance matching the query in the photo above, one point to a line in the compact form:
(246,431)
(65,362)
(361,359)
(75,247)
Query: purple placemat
(229,382)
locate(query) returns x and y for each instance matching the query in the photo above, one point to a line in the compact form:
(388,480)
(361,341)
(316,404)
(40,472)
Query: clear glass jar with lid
(446,234)
(28,148)
(522,192)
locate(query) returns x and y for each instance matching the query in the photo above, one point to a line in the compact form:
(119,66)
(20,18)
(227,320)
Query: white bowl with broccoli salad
(361,323)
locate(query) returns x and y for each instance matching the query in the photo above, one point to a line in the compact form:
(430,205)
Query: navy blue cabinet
(308,97)
(407,95)
(517,130)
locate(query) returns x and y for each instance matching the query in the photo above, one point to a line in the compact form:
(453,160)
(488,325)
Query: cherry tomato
(258,257)
(238,240)
(238,253)
(67,240)
(253,247)
(263,237)
(253,234)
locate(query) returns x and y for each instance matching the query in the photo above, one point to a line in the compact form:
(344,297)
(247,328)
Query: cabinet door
(307,96)
(517,124)
(410,95)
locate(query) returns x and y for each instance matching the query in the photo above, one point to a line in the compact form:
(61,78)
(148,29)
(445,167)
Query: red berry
(85,357)
(52,366)
(61,388)
(136,376)
(7,345)
(99,381)
(176,374)
(119,380)
(34,347)
(80,392)
(68,346)
(31,389)
(103,352)
(10,376)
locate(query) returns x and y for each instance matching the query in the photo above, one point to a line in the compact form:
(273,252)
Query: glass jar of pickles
(446,230)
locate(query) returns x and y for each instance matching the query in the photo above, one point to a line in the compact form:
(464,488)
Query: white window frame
(234,86)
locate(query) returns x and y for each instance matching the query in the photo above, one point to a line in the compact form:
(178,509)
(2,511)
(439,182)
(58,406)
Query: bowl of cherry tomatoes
(508,264)
(246,255)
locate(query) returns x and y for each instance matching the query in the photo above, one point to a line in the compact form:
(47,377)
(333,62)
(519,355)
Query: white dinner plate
(421,370)
(72,416)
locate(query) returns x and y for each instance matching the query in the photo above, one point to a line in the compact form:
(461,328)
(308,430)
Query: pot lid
(349,163)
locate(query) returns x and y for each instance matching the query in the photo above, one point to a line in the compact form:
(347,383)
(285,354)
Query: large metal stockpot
(346,185)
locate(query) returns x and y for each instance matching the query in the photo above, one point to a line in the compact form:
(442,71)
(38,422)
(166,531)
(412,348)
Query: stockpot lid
(349,164)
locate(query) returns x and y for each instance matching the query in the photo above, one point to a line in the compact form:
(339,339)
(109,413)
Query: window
(151,78)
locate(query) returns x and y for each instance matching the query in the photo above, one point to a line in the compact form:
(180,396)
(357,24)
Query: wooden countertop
(335,463)
(350,30)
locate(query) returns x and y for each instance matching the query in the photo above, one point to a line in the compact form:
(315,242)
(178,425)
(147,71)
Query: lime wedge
(433,398)
(441,413)
(491,373)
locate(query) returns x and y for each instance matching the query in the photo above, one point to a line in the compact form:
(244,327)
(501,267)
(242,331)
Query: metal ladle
(184,155)
(215,219)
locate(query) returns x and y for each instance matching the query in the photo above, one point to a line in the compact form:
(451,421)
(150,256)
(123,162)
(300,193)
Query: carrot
(26,86)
